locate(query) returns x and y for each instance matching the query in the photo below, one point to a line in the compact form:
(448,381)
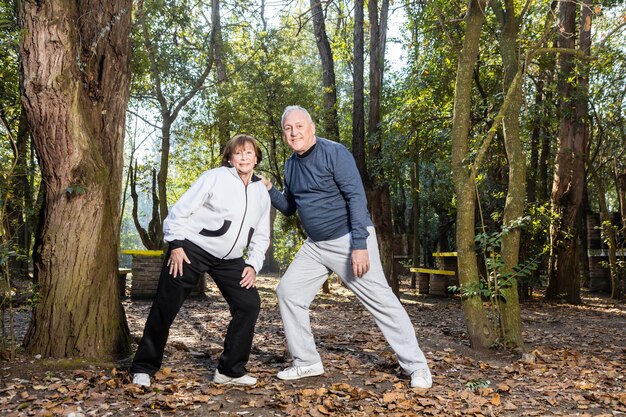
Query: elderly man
(323,184)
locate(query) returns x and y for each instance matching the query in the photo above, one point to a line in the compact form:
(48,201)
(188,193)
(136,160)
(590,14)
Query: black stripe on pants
(244,304)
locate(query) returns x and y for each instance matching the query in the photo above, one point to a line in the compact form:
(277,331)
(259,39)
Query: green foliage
(491,286)
(178,36)
(287,240)
(35,296)
(477,383)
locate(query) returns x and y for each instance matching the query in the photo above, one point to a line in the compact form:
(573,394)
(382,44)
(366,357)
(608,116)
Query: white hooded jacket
(222,216)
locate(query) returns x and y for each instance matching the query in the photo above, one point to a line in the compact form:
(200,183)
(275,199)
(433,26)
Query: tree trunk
(568,185)
(379,197)
(76,66)
(331,119)
(535,144)
(620,176)
(510,316)
(480,330)
(415,196)
(223,121)
(358,106)
(17,208)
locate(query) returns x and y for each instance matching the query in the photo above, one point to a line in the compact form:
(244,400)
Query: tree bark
(331,118)
(620,178)
(379,196)
(76,66)
(480,330)
(358,97)
(568,185)
(415,197)
(510,316)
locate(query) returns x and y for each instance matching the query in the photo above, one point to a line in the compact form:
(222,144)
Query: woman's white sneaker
(141,379)
(297,372)
(242,380)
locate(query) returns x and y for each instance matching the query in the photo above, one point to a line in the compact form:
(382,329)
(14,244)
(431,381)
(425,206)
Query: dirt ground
(574,365)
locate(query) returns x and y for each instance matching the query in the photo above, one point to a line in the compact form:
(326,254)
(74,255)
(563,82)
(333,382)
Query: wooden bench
(433,281)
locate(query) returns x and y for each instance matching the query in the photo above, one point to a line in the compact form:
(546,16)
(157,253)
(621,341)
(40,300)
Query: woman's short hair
(240,141)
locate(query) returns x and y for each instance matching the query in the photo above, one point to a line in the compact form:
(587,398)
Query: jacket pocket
(219,232)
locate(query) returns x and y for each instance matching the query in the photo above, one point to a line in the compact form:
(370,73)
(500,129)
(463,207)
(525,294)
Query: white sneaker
(297,372)
(141,379)
(242,380)
(421,379)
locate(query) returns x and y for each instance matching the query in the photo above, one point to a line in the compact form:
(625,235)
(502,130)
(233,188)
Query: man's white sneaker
(297,372)
(421,379)
(242,380)
(141,379)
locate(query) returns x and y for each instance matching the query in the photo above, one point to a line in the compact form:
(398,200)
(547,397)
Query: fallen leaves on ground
(575,364)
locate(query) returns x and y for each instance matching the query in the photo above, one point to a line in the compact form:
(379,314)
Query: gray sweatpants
(306,275)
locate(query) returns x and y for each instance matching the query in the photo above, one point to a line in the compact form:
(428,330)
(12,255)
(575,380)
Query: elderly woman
(225,212)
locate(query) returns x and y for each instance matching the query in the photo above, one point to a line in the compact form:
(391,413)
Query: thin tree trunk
(620,182)
(480,330)
(76,66)
(20,204)
(415,195)
(331,119)
(510,316)
(223,121)
(535,144)
(169,111)
(358,106)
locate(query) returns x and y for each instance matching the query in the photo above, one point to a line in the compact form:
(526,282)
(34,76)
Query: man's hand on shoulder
(266,182)
(360,262)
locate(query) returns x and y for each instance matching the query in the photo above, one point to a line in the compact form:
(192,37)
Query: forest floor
(574,365)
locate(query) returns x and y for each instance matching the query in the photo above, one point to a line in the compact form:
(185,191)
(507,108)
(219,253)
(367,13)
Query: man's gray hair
(289,109)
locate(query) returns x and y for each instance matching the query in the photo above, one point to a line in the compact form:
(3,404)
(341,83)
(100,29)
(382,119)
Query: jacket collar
(233,171)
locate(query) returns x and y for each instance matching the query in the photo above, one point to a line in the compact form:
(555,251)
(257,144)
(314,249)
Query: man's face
(299,132)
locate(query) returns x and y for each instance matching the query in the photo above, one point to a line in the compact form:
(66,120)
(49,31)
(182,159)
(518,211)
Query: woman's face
(243,159)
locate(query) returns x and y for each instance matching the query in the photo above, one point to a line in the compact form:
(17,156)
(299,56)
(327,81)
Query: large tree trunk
(331,119)
(379,196)
(510,317)
(480,330)
(75,59)
(569,181)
